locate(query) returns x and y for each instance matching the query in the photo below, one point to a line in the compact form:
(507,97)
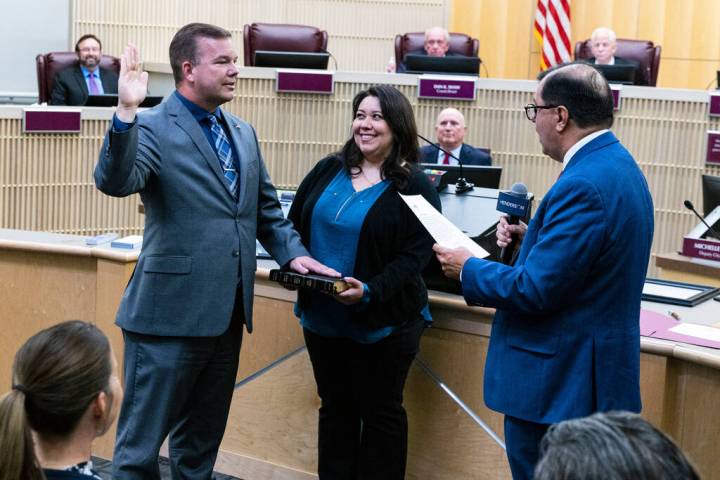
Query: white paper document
(681,293)
(440,228)
(699,331)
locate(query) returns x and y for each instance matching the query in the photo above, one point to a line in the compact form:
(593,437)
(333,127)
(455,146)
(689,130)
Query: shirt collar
(611,62)
(581,143)
(199,113)
(86,72)
(456,152)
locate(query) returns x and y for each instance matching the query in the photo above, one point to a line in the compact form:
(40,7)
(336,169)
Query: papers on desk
(440,228)
(671,291)
(129,243)
(699,331)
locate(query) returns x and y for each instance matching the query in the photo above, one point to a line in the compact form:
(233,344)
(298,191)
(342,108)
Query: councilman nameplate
(707,249)
(616,91)
(713,147)
(304,81)
(714,102)
(446,87)
(51,120)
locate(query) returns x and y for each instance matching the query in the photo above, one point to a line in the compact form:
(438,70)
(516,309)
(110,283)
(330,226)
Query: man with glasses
(74,84)
(565,340)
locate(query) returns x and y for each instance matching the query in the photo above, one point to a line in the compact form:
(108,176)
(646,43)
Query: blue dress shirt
(335,229)
(98,81)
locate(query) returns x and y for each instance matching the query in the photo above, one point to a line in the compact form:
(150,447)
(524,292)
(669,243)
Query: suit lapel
(80,79)
(463,152)
(185,120)
(242,148)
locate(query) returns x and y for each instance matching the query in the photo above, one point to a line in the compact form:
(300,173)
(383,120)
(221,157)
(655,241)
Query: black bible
(319,283)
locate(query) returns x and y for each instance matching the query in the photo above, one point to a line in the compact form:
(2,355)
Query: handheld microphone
(690,206)
(462,185)
(515,205)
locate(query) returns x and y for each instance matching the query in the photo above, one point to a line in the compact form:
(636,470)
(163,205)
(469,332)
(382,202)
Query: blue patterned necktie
(225,154)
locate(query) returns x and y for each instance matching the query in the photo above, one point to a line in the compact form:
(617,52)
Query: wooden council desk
(271,433)
(680,268)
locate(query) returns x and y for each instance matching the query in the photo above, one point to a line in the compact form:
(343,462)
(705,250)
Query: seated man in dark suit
(450,132)
(74,84)
(437,42)
(603,43)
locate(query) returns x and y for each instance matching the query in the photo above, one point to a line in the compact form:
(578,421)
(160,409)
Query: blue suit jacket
(469,155)
(199,242)
(565,340)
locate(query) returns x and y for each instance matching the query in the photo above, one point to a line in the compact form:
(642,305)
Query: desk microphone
(462,185)
(690,206)
(515,205)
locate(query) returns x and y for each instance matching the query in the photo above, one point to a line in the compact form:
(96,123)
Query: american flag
(552,30)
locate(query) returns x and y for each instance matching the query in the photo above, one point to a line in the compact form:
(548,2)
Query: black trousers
(362,423)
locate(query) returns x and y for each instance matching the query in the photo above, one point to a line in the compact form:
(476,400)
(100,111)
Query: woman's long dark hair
(57,373)
(399,116)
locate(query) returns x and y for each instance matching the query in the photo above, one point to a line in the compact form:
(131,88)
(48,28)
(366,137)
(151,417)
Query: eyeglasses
(531,110)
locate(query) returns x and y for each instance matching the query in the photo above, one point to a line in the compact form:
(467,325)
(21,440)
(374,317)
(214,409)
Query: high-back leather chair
(460,44)
(49,64)
(644,52)
(282,38)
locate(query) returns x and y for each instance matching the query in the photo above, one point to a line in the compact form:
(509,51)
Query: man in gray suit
(207,196)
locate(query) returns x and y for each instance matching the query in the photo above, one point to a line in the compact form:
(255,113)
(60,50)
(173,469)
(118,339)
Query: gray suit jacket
(70,87)
(199,243)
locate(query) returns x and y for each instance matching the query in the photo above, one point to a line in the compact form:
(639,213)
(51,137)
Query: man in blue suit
(450,133)
(565,340)
(207,196)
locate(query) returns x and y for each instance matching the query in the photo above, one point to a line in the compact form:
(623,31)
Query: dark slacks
(362,423)
(522,440)
(181,386)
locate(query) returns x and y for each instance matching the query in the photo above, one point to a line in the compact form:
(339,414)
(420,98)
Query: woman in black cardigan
(362,341)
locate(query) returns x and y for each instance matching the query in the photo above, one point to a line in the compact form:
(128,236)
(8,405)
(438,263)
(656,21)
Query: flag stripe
(552,29)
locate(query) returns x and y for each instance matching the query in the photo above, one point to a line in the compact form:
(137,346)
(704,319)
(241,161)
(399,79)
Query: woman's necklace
(371,182)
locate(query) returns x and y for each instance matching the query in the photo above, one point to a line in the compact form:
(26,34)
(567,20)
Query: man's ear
(187,70)
(563,118)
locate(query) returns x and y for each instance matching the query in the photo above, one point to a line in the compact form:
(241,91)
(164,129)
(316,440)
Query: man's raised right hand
(132,84)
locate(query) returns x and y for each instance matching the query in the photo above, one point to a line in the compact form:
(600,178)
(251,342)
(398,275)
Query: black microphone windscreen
(689,205)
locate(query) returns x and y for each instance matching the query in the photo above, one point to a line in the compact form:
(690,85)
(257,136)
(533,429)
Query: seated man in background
(437,42)
(74,84)
(610,446)
(603,43)
(450,132)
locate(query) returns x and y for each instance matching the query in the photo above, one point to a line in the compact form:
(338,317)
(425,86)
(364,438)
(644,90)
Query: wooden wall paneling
(37,291)
(357,45)
(653,373)
(467,451)
(692,392)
